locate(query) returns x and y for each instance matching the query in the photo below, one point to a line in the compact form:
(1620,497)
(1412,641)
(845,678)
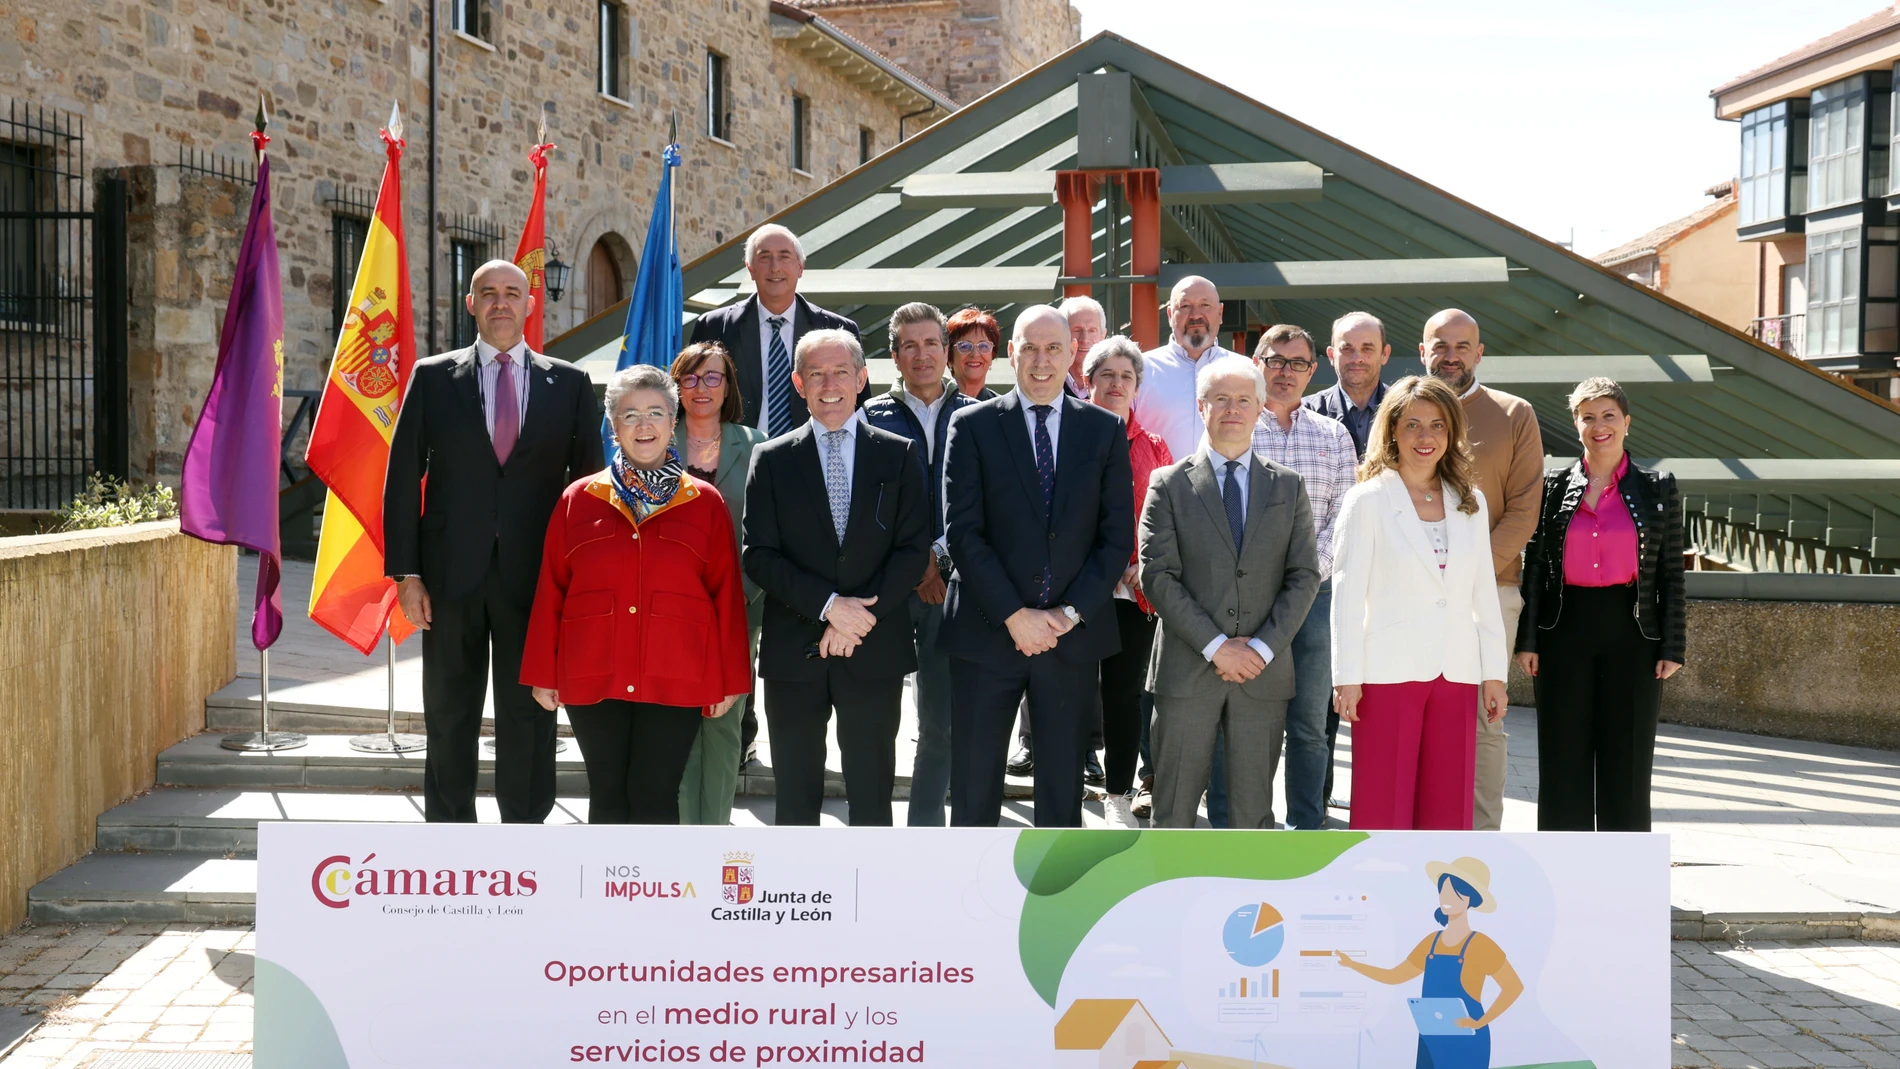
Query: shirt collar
(1372,403)
(1211,352)
(1023,398)
(819,430)
(486,352)
(1621,468)
(1220,462)
(949,387)
(1466,396)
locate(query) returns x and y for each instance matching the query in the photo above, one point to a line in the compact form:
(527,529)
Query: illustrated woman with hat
(1455,963)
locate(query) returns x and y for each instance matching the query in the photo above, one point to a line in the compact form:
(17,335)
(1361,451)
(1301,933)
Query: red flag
(349,444)
(531,254)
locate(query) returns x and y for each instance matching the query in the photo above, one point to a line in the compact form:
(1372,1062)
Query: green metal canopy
(1298,227)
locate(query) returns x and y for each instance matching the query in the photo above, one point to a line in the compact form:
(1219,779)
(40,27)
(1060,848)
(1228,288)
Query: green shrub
(110,502)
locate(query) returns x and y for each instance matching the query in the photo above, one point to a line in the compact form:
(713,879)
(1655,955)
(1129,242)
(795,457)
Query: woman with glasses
(639,618)
(716,444)
(974,339)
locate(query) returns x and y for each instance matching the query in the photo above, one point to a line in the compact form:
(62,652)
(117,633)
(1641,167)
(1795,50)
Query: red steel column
(1075,191)
(1144,208)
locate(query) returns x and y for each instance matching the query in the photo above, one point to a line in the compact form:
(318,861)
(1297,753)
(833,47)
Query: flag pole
(390,740)
(263,740)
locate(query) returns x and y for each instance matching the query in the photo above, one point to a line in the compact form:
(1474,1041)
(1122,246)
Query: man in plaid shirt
(1321,450)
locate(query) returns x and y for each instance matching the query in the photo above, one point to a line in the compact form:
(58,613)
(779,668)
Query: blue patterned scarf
(644,489)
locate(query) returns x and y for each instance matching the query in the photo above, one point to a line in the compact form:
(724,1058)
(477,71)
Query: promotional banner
(463,945)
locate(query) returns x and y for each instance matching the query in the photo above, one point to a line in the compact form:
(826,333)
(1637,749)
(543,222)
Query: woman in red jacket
(639,621)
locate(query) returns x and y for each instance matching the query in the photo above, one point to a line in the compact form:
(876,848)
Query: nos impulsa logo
(336,880)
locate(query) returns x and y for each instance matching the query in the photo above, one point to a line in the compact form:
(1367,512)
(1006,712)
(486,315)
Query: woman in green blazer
(717,447)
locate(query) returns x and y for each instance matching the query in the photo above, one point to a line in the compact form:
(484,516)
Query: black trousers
(455,677)
(635,753)
(983,699)
(1598,699)
(798,716)
(1123,678)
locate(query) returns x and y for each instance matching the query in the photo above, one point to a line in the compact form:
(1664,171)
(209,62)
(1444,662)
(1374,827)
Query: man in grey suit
(1229,560)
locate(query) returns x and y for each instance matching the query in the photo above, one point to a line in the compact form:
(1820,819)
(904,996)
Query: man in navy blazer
(1039,514)
(776,261)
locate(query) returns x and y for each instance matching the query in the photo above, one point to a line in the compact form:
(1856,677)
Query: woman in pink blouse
(1603,622)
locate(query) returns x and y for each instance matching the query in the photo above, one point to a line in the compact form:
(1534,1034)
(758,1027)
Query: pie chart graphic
(1254,934)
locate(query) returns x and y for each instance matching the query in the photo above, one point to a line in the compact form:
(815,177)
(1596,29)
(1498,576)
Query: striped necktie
(778,380)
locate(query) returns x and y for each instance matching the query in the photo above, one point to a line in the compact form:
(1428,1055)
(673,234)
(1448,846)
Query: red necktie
(507,409)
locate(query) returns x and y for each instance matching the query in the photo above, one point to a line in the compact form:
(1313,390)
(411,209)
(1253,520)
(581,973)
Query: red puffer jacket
(652,611)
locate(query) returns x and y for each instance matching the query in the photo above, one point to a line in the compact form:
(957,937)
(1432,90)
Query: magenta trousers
(1414,754)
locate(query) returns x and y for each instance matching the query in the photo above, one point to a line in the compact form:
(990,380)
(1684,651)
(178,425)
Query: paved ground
(186,988)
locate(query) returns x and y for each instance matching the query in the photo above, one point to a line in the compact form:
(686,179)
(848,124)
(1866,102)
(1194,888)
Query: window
(864,145)
(464,257)
(1833,321)
(718,118)
(20,238)
(347,235)
(470,17)
(1837,132)
(801,116)
(1774,162)
(611,35)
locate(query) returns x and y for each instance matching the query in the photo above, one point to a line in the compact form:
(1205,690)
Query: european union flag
(654,311)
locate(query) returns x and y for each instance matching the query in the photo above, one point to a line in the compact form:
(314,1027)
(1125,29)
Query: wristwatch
(943,564)
(1069,611)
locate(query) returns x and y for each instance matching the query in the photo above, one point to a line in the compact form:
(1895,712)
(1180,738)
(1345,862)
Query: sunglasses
(708,379)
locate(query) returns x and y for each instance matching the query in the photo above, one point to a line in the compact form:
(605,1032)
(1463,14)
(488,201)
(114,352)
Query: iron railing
(1785,332)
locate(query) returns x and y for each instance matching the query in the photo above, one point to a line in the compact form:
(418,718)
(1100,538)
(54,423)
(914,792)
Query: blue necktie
(1046,471)
(778,380)
(1230,496)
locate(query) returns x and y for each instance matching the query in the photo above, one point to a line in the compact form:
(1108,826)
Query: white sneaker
(1115,810)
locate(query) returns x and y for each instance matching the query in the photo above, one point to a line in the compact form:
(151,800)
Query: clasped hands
(1236,661)
(1037,630)
(846,624)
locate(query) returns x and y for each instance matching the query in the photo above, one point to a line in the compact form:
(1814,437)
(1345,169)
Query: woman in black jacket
(1603,622)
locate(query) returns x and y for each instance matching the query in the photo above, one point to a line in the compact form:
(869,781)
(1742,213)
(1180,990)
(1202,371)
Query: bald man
(1510,454)
(1166,402)
(498,431)
(1358,352)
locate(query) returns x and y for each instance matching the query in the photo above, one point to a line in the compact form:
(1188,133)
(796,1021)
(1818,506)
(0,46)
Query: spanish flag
(349,443)
(531,254)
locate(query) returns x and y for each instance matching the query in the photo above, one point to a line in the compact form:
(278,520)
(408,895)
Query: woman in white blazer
(1417,632)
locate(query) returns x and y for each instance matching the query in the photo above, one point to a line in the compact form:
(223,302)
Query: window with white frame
(611,31)
(1833,322)
(471,17)
(1837,117)
(1763,189)
(801,124)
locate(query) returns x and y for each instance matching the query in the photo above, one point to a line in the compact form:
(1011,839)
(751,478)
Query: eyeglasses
(633,418)
(975,348)
(1296,363)
(708,379)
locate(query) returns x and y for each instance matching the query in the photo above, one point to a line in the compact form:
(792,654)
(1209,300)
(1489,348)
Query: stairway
(186,850)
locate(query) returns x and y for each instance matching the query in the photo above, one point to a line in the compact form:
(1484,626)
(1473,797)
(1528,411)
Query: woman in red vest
(639,621)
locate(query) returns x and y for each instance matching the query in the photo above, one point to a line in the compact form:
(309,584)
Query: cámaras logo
(337,879)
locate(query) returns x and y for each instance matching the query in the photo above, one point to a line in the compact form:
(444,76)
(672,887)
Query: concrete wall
(109,643)
(965,48)
(1711,272)
(1801,670)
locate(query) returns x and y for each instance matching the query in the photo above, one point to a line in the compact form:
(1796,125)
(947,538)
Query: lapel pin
(550,380)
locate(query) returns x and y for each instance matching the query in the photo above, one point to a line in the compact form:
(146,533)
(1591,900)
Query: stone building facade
(963,47)
(154,78)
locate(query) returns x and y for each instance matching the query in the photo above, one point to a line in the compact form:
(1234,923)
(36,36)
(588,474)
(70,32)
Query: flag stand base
(264,741)
(389,742)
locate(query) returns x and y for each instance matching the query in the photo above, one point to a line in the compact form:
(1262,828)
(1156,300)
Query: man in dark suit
(1039,512)
(499,431)
(762,331)
(837,533)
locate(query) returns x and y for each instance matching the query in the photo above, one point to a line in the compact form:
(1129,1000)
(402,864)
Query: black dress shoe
(1021,763)
(748,755)
(1092,773)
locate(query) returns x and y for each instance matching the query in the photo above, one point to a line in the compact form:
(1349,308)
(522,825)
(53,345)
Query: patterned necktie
(837,485)
(778,380)
(507,409)
(1230,495)
(1046,471)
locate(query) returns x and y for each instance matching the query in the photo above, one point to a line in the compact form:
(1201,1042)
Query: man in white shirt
(1088,324)
(1231,563)
(1166,403)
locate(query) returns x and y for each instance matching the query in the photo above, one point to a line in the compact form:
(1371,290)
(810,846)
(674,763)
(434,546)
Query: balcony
(1782,332)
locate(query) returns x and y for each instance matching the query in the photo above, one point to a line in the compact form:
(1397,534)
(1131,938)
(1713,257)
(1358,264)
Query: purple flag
(229,492)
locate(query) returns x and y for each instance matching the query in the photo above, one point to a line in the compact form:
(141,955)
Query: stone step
(143,888)
(328,763)
(224,820)
(327,709)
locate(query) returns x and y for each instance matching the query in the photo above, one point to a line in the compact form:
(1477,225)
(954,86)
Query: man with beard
(1510,454)
(1166,402)
(1359,352)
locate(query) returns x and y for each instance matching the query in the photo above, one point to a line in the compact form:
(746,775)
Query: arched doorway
(606,283)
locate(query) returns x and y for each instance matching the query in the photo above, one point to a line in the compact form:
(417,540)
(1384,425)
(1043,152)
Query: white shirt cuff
(826,611)
(1260,648)
(1213,647)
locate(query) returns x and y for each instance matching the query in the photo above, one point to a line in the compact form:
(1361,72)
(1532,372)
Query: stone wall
(964,48)
(148,76)
(109,645)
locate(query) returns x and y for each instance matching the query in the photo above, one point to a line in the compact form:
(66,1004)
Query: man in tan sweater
(1510,454)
